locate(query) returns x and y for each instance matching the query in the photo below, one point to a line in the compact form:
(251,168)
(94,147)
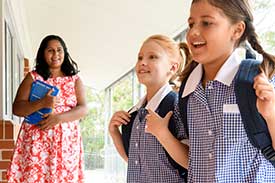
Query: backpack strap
(166,105)
(183,101)
(254,124)
(126,132)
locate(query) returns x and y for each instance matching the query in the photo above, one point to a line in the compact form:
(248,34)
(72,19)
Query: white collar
(225,75)
(155,100)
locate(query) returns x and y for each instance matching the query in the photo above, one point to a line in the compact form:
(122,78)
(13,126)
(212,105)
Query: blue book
(38,90)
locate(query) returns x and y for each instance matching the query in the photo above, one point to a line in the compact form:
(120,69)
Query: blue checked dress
(220,151)
(148,162)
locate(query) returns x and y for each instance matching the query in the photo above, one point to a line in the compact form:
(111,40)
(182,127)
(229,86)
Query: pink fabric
(50,156)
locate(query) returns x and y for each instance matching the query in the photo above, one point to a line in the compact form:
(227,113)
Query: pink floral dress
(54,155)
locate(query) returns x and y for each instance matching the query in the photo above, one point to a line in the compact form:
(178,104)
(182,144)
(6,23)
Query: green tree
(264,9)
(92,129)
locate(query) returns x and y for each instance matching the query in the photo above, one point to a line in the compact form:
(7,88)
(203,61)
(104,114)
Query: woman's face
(54,54)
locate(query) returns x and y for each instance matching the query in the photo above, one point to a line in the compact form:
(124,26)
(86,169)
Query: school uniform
(147,159)
(220,151)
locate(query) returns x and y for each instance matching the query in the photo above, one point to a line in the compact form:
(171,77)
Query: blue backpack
(254,124)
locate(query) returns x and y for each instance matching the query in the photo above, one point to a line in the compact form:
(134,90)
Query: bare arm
(266,102)
(22,106)
(76,113)
(119,118)
(158,127)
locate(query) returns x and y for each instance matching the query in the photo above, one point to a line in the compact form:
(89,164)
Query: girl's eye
(190,25)
(139,57)
(153,57)
(205,23)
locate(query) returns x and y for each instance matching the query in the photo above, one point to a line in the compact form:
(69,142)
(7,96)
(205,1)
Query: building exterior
(13,65)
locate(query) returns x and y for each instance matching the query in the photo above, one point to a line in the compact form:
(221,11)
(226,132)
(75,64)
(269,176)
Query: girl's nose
(194,31)
(142,62)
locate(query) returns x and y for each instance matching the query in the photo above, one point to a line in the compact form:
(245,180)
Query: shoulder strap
(183,101)
(126,132)
(254,123)
(166,105)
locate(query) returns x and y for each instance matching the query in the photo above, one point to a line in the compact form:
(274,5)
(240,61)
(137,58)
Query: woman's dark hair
(68,67)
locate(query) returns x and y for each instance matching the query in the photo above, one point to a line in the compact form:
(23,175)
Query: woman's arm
(158,127)
(22,106)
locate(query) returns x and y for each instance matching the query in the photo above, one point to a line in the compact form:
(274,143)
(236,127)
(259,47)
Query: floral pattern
(54,155)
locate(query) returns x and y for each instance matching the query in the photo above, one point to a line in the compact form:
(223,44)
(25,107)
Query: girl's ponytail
(189,63)
(268,64)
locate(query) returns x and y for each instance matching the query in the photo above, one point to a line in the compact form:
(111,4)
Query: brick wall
(8,135)
(6,147)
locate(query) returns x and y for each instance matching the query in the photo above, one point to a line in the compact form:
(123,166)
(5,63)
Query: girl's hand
(265,97)
(49,121)
(155,124)
(118,118)
(48,100)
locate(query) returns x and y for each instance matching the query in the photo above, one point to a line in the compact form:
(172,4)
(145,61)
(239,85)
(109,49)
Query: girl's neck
(151,91)
(209,74)
(210,70)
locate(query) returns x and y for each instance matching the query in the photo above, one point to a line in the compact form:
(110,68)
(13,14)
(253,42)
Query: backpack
(166,105)
(254,124)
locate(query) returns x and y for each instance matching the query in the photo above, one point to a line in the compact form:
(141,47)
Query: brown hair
(240,10)
(173,50)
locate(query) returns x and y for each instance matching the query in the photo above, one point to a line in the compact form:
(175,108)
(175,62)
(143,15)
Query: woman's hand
(48,100)
(265,97)
(155,124)
(49,121)
(118,118)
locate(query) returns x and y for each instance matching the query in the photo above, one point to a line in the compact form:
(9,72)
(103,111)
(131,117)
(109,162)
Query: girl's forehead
(204,9)
(152,45)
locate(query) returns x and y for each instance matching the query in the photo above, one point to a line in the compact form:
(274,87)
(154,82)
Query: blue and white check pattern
(220,151)
(147,161)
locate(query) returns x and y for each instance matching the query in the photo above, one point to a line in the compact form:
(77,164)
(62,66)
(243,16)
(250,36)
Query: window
(13,72)
(8,70)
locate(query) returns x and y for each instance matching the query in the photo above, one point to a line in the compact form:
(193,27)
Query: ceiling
(103,36)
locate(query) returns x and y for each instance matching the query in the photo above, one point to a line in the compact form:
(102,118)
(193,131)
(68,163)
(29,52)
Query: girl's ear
(238,30)
(174,68)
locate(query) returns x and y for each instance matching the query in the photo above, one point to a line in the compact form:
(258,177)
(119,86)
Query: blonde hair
(174,51)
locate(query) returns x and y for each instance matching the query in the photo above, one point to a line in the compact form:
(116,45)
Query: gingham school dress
(50,156)
(220,151)
(147,162)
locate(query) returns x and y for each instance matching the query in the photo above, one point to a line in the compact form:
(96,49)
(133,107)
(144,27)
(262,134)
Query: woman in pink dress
(52,150)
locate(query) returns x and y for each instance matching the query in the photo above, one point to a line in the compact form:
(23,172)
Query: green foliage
(262,4)
(264,9)
(122,94)
(268,38)
(92,126)
(92,130)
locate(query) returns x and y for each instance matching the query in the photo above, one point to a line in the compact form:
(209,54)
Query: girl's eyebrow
(203,16)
